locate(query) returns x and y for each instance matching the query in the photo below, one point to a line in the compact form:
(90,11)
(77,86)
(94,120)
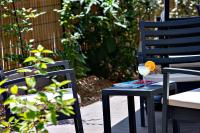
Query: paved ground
(93,123)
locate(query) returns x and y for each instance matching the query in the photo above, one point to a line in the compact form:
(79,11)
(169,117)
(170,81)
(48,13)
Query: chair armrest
(179,70)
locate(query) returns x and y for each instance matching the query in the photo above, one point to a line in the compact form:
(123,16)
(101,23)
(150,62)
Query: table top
(145,90)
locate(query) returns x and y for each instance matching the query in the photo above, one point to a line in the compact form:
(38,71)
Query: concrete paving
(93,119)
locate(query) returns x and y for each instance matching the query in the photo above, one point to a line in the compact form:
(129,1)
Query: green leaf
(32,91)
(65,112)
(64,83)
(48,60)
(38,54)
(34,51)
(110,44)
(30,115)
(59,100)
(44,131)
(43,72)
(2,90)
(32,107)
(31,40)
(43,65)
(5,123)
(30,81)
(40,48)
(11,119)
(40,126)
(23,87)
(30,59)
(14,89)
(69,101)
(15,110)
(51,117)
(9,101)
(3,81)
(47,51)
(120,24)
(7,131)
(42,96)
(24,70)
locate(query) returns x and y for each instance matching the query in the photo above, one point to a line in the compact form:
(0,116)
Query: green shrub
(107,34)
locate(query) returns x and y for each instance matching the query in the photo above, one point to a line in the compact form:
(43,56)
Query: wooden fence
(46,30)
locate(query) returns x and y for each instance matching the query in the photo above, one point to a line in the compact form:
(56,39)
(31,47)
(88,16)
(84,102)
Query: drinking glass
(144,71)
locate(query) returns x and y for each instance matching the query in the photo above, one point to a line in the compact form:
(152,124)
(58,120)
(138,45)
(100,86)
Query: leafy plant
(184,8)
(107,33)
(71,48)
(34,115)
(21,25)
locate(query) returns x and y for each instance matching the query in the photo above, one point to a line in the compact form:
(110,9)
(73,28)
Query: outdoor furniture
(147,92)
(182,107)
(156,41)
(61,69)
(172,42)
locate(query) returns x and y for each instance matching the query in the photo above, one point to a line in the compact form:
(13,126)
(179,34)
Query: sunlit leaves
(22,70)
(3,81)
(14,89)
(30,59)
(2,90)
(30,115)
(51,117)
(47,51)
(34,111)
(30,81)
(47,60)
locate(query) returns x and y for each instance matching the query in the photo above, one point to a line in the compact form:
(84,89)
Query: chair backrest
(63,63)
(59,68)
(13,74)
(171,42)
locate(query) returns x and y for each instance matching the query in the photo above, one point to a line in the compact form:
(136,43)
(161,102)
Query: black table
(147,93)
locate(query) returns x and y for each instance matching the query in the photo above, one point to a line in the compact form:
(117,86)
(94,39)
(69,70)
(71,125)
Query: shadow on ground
(123,126)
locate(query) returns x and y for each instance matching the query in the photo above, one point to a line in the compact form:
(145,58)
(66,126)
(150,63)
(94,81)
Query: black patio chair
(169,43)
(60,68)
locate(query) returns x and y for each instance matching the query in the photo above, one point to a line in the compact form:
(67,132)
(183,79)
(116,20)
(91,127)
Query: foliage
(34,115)
(184,8)
(21,25)
(71,49)
(104,31)
(108,33)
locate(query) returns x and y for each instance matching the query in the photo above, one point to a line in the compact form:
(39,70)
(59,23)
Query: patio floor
(93,121)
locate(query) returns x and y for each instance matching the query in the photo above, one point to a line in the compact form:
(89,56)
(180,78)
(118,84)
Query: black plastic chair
(181,108)
(171,42)
(59,68)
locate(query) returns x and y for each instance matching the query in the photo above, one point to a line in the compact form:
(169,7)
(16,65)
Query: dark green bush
(108,32)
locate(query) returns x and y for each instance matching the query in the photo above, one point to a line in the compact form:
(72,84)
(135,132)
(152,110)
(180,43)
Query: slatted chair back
(59,65)
(170,42)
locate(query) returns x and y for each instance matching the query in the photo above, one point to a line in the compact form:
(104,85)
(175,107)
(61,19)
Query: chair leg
(164,119)
(78,126)
(77,118)
(142,111)
(176,126)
